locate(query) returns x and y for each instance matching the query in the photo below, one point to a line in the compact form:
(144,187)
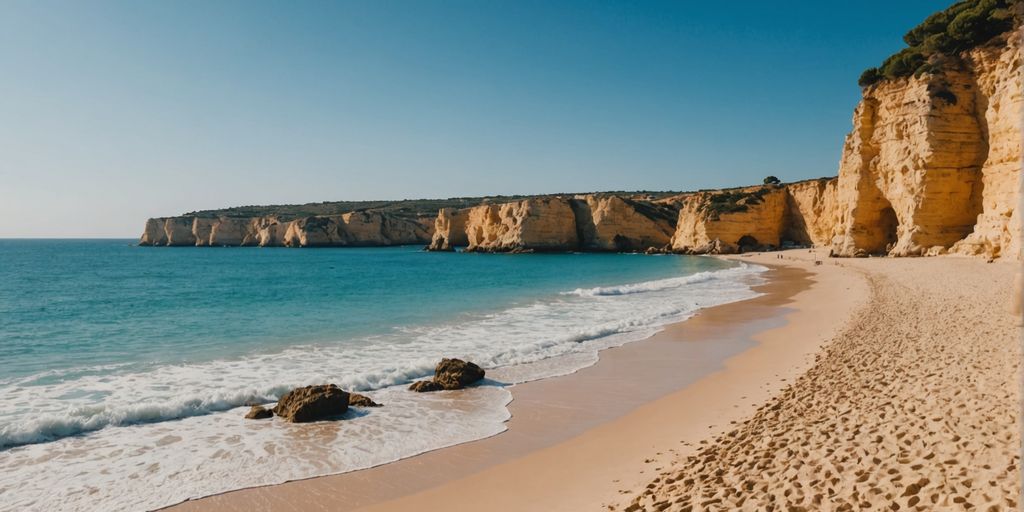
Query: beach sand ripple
(914,406)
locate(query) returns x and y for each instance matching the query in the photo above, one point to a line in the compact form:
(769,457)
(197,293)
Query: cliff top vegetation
(964,25)
(405,207)
(428,207)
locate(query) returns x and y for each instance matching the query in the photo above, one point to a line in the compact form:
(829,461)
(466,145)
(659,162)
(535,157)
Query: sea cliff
(349,229)
(931,166)
(933,161)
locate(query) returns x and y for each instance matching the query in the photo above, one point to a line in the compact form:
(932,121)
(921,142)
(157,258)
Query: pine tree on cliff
(964,25)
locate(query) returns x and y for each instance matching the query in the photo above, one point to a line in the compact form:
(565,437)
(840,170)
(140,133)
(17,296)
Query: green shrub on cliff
(964,25)
(733,201)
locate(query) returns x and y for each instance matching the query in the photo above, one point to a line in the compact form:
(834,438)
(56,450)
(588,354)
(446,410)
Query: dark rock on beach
(312,403)
(423,386)
(258,412)
(450,374)
(357,400)
(456,373)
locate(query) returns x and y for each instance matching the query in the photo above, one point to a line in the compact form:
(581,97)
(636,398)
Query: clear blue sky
(112,112)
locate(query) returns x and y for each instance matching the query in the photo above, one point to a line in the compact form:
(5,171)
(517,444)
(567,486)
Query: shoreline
(581,413)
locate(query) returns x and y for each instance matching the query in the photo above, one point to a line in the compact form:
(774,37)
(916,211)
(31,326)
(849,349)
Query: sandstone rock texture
(616,223)
(997,81)
(154,233)
(588,222)
(731,221)
(449,230)
(812,212)
(933,162)
(539,224)
(356,229)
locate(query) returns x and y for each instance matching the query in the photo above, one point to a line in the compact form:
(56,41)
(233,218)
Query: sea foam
(108,431)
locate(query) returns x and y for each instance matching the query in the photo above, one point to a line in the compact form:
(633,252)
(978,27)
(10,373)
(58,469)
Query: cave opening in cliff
(888,226)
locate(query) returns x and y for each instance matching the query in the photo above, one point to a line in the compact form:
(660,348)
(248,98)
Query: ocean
(125,370)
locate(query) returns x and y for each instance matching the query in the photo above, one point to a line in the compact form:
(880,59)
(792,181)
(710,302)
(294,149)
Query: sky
(115,111)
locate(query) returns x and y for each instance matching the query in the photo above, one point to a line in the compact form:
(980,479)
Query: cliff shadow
(888,227)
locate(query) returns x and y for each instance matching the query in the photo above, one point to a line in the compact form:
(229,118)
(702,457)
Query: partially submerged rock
(450,374)
(258,412)
(312,403)
(456,373)
(357,400)
(424,386)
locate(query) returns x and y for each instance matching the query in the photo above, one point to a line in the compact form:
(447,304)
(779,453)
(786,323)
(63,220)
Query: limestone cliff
(587,222)
(812,212)
(541,224)
(932,165)
(615,223)
(757,218)
(731,221)
(998,89)
(449,230)
(350,229)
(935,159)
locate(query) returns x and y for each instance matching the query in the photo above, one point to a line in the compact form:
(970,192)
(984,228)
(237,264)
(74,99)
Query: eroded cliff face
(930,157)
(731,221)
(350,229)
(812,212)
(449,230)
(932,165)
(544,224)
(589,222)
(998,82)
(621,224)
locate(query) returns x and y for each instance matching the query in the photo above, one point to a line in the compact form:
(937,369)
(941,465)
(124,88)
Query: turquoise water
(115,357)
(77,304)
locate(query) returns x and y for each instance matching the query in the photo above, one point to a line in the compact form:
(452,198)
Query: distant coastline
(875,206)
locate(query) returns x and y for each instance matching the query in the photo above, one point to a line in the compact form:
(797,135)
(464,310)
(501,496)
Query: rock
(590,222)
(730,221)
(202,228)
(154,233)
(449,230)
(258,412)
(355,229)
(997,74)
(450,374)
(622,224)
(932,164)
(456,373)
(231,231)
(179,231)
(425,386)
(312,403)
(357,400)
(538,224)
(934,160)
(267,232)
(812,212)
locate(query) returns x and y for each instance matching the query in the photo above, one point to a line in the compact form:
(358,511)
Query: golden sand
(914,406)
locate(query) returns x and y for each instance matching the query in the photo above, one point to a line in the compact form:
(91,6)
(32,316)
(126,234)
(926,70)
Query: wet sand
(576,442)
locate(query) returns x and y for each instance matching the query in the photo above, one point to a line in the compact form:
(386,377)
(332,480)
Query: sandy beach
(512,256)
(914,406)
(594,439)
